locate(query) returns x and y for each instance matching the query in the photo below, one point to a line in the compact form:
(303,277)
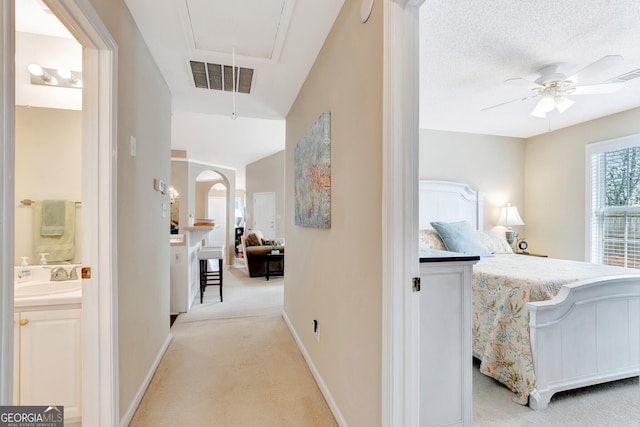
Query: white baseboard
(316,375)
(126,418)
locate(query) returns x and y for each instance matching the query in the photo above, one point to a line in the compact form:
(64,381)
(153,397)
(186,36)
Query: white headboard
(449,201)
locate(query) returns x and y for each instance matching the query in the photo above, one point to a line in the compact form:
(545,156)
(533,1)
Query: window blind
(615,206)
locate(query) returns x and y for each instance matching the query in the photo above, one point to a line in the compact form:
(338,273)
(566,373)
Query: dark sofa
(255,249)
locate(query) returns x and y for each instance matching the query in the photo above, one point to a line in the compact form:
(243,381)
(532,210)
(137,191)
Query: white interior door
(264,214)
(217,209)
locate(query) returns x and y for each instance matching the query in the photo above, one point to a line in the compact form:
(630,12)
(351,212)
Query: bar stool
(210,278)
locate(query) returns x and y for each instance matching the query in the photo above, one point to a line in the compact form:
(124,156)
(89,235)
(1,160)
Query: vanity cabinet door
(50,359)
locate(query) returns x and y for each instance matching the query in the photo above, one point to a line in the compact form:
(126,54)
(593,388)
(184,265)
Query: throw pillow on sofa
(252,240)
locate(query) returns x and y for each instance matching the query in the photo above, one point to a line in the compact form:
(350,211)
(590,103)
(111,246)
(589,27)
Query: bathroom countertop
(64,298)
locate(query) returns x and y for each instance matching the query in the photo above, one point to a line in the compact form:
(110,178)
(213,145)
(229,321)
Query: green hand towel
(59,248)
(53,218)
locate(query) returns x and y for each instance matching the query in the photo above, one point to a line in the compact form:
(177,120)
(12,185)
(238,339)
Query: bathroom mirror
(174,215)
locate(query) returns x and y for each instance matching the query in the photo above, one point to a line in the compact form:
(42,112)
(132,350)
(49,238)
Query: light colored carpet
(233,372)
(615,404)
(243,297)
(234,364)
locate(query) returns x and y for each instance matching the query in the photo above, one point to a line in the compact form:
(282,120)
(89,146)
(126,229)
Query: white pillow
(495,242)
(429,239)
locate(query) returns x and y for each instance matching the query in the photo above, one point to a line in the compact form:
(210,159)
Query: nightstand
(530,254)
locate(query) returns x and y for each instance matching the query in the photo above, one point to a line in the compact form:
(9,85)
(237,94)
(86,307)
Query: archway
(212,206)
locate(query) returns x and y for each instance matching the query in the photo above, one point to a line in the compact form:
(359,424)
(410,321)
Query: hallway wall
(144,111)
(334,275)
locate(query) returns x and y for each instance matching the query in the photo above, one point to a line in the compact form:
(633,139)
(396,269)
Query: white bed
(586,333)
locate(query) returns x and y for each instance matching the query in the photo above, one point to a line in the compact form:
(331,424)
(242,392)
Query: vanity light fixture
(66,74)
(46,76)
(37,71)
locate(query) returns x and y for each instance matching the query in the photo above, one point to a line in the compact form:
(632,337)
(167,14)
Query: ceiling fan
(553,87)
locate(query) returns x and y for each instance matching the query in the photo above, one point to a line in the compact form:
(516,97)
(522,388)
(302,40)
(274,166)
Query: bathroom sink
(32,289)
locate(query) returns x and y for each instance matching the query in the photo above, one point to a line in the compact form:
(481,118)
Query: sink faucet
(59,274)
(73,273)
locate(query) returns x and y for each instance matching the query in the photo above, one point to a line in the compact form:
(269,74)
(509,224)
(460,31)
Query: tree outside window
(617,207)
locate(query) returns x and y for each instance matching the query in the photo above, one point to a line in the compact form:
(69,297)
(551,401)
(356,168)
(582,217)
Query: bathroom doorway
(48,212)
(99,363)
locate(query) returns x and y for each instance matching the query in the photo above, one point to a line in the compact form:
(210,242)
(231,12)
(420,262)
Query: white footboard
(588,334)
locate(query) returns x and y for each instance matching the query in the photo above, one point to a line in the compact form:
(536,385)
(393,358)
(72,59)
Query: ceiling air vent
(220,77)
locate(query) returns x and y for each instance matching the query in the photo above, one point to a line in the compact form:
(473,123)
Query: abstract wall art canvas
(312,175)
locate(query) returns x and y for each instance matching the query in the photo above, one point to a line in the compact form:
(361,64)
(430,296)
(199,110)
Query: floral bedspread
(502,285)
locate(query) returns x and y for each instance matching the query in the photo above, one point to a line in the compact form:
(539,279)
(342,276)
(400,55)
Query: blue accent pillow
(460,237)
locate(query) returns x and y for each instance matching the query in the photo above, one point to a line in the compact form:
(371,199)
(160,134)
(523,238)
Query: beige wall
(555,183)
(334,275)
(144,111)
(48,166)
(267,175)
(203,191)
(491,164)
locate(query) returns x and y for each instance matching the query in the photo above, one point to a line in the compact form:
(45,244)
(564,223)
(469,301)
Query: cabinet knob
(23,322)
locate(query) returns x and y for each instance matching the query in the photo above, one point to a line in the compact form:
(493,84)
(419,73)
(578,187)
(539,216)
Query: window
(613,168)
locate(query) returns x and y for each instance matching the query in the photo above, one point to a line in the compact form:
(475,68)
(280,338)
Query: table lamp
(509,216)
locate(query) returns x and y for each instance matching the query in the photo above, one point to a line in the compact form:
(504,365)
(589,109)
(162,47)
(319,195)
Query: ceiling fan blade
(592,70)
(597,89)
(523,83)
(526,98)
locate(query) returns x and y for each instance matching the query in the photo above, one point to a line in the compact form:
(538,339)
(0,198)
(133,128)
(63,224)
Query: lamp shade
(509,216)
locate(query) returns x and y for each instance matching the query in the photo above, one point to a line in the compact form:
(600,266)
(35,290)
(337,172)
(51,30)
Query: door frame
(400,305)
(99,299)
(7,199)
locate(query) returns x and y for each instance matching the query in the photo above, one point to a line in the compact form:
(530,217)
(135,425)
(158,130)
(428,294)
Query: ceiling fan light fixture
(546,104)
(563,103)
(538,112)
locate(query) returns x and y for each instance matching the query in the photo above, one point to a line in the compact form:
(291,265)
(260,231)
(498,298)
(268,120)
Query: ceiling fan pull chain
(234,86)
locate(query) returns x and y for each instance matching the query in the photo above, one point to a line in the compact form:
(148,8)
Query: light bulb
(36,70)
(65,73)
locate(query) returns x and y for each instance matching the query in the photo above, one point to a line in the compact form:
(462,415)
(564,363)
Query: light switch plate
(133,149)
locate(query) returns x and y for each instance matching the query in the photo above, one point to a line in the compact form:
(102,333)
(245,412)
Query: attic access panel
(255,28)
(220,77)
